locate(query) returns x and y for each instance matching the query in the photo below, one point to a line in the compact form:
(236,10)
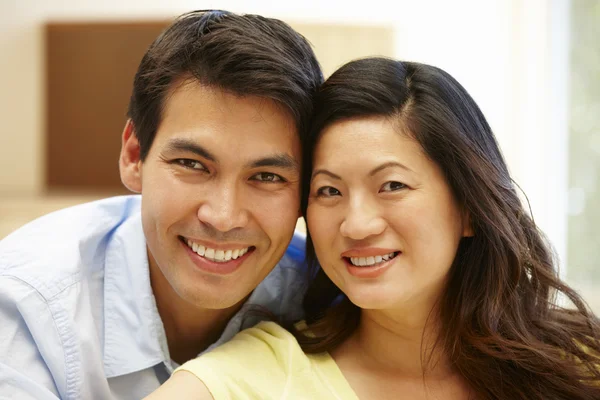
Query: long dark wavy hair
(502,327)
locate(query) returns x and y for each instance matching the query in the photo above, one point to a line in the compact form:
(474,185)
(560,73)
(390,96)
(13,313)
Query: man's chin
(213,297)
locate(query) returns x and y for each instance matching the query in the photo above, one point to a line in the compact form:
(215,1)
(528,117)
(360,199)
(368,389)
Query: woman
(435,282)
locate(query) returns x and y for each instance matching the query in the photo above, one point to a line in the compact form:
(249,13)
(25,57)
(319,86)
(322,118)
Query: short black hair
(248,55)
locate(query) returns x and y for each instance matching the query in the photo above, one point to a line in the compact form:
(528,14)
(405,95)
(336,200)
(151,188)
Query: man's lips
(217,253)
(222,262)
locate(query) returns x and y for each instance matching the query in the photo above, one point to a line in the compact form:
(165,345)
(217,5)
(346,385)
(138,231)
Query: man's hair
(247,55)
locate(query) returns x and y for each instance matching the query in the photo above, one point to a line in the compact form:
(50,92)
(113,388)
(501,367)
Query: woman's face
(383,220)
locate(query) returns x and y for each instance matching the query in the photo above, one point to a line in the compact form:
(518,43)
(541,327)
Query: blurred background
(533,66)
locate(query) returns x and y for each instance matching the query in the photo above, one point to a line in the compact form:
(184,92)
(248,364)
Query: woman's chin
(372,301)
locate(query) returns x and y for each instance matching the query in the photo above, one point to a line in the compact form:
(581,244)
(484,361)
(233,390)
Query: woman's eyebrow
(389,164)
(324,172)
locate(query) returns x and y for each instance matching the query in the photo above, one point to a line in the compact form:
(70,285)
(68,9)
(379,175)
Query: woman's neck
(401,343)
(393,353)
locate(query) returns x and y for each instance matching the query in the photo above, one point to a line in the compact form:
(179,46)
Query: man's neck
(190,330)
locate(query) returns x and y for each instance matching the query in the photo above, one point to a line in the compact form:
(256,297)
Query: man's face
(220,193)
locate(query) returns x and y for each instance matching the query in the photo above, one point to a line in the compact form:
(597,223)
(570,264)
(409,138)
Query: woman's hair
(501,326)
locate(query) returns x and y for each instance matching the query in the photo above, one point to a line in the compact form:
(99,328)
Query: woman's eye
(327,191)
(191,164)
(268,177)
(392,186)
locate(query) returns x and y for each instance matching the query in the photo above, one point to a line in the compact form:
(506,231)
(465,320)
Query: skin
(223,171)
(374,191)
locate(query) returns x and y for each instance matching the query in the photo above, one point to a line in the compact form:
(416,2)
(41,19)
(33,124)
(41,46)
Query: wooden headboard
(89,77)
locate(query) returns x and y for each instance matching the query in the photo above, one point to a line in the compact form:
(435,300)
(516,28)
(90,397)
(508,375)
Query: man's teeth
(370,261)
(216,255)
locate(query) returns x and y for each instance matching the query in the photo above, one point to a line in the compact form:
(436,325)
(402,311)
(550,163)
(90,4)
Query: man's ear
(130,164)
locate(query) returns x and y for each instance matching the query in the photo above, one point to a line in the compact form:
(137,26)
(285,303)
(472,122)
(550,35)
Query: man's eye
(191,164)
(392,186)
(268,177)
(328,191)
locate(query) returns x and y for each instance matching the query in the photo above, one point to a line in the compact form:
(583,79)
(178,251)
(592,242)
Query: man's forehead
(222,126)
(208,110)
(191,96)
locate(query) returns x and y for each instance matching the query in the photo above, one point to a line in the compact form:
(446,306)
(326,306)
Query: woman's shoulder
(257,363)
(266,335)
(267,331)
(268,346)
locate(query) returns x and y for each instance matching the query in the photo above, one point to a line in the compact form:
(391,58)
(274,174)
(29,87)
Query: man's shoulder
(53,248)
(291,271)
(283,289)
(295,254)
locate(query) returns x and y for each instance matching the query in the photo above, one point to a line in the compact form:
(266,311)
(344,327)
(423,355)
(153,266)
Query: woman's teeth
(215,254)
(371,261)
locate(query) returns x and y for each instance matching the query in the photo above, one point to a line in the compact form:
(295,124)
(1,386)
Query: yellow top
(266,362)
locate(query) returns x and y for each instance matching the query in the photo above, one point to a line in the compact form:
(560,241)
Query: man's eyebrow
(389,165)
(324,172)
(284,161)
(190,146)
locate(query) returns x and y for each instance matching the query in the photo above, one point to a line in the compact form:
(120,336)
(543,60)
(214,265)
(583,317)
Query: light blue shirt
(78,319)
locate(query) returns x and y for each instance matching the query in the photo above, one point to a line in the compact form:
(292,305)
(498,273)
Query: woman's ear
(467,226)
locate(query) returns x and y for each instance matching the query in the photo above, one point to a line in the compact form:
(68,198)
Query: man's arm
(17,385)
(24,373)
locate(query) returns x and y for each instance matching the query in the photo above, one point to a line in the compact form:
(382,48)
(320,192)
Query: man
(103,300)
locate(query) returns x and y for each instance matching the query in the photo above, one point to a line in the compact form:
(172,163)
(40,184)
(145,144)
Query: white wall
(500,50)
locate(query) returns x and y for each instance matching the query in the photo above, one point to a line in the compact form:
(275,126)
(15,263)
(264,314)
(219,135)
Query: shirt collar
(134,336)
